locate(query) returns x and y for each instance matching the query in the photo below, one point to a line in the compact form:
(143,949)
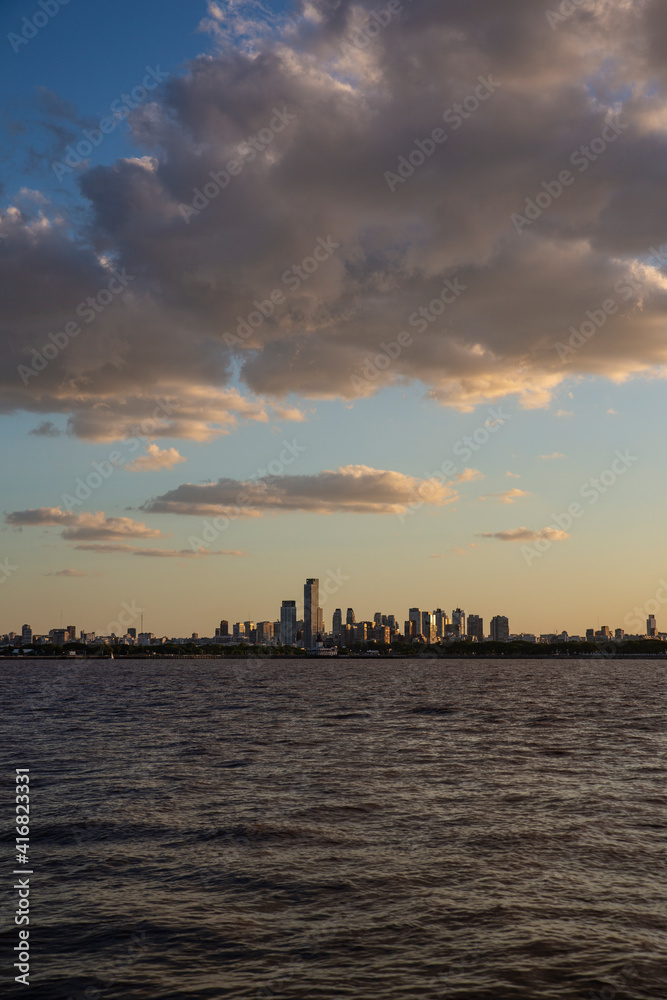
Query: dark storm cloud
(354,101)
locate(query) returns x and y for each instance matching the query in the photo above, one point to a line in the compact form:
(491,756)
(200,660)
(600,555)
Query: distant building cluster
(309,631)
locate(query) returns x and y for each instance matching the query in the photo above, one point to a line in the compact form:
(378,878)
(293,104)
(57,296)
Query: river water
(343,828)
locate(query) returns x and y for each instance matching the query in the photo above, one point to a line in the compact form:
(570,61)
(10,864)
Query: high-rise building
(311,602)
(428,626)
(475,628)
(337,624)
(26,635)
(288,623)
(349,617)
(264,631)
(132,632)
(415,615)
(590,635)
(651,627)
(71,633)
(377,618)
(619,633)
(500,628)
(224,628)
(320,623)
(238,630)
(459,618)
(441,622)
(58,636)
(410,629)
(360,632)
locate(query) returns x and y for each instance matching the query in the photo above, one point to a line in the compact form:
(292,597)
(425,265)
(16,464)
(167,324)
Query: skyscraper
(288,623)
(349,617)
(264,631)
(311,601)
(441,622)
(459,619)
(500,628)
(26,635)
(224,627)
(651,627)
(428,626)
(476,628)
(337,624)
(415,615)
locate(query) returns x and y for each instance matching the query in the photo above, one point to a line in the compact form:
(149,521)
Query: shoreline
(328,659)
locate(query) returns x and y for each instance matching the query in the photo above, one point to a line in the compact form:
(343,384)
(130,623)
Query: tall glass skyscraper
(288,623)
(311,601)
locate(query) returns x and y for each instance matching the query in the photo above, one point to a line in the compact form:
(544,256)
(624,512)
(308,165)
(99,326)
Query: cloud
(507,496)
(512,475)
(46,429)
(555,454)
(612,412)
(527,535)
(67,572)
(564,413)
(353,489)
(159,553)
(81,526)
(355,112)
(155,459)
(469,476)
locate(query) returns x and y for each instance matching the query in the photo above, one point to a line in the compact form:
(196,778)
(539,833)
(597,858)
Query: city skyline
(239,342)
(312,627)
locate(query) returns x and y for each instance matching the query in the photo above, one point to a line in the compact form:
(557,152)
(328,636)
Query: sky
(368,292)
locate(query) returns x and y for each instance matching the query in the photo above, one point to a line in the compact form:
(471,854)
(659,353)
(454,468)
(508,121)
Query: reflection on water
(392,829)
